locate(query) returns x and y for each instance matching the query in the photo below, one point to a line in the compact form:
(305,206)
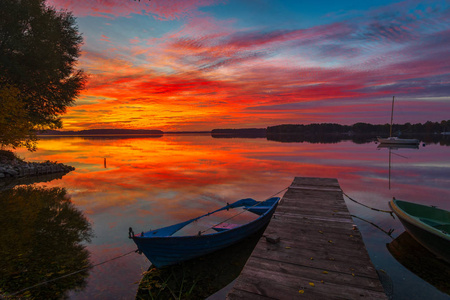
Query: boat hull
(435,240)
(398,146)
(397,141)
(170,250)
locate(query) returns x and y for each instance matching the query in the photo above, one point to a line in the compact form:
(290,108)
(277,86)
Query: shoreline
(14,168)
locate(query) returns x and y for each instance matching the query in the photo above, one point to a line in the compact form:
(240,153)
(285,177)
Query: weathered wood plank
(239,294)
(321,237)
(288,221)
(312,274)
(320,259)
(314,181)
(328,219)
(285,286)
(318,244)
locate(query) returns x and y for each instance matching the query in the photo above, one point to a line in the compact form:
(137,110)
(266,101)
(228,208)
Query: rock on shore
(18,169)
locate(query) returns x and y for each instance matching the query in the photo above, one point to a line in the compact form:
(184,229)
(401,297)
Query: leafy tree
(15,128)
(39,49)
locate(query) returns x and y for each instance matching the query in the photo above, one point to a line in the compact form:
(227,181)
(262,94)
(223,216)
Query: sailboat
(396,140)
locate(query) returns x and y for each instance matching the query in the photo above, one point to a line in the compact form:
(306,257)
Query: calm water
(153,182)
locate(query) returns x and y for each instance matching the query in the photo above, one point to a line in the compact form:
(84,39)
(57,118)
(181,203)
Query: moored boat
(163,248)
(397,141)
(392,140)
(429,225)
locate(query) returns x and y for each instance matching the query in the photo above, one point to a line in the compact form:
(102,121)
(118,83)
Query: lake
(151,182)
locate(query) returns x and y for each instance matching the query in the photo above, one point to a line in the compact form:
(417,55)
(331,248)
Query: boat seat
(259,210)
(430,222)
(444,228)
(438,225)
(225,226)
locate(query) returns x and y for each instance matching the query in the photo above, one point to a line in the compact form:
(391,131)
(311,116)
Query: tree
(39,49)
(15,128)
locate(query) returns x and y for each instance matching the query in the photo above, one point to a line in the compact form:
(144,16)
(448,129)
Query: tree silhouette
(39,48)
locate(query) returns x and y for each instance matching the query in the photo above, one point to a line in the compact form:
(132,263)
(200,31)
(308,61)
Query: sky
(205,64)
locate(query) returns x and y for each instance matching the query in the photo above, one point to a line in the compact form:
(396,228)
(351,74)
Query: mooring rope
(389,233)
(372,208)
(66,275)
(203,231)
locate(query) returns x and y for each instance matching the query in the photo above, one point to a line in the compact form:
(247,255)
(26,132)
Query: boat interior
(430,215)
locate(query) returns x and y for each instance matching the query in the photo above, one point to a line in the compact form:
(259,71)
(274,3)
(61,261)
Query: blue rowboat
(162,248)
(430,226)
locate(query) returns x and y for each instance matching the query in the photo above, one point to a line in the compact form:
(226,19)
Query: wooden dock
(319,254)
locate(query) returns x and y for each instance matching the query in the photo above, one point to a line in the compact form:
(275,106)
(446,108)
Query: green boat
(429,225)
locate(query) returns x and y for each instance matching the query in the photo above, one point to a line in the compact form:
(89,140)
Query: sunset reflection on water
(151,182)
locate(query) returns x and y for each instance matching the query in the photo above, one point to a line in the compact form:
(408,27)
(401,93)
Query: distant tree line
(241,132)
(358,133)
(360,128)
(101,132)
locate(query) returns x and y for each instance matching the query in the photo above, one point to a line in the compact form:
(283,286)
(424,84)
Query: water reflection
(394,148)
(7,184)
(198,278)
(412,255)
(42,236)
(156,182)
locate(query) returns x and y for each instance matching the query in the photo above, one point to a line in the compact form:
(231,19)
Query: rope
(67,275)
(389,233)
(400,155)
(203,231)
(372,208)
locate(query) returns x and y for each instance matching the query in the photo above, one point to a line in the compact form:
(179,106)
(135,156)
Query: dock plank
(318,245)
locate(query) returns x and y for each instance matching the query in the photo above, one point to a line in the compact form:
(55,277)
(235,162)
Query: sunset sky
(205,64)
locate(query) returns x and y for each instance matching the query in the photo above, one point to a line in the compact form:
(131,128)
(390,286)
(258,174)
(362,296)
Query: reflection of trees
(314,139)
(9,183)
(41,238)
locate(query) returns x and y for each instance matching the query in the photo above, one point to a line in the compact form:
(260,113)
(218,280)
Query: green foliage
(42,236)
(16,129)
(39,48)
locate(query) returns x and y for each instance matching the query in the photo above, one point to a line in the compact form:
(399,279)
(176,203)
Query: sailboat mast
(392,115)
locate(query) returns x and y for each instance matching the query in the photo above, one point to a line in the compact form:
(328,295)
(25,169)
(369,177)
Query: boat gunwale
(413,220)
(275,203)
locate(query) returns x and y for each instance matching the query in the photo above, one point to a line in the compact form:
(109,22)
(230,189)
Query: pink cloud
(105,38)
(163,10)
(135,40)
